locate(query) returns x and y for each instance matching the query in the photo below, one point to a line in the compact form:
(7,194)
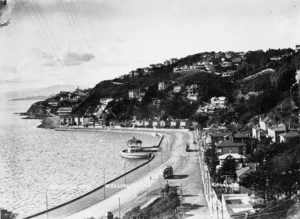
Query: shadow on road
(180,176)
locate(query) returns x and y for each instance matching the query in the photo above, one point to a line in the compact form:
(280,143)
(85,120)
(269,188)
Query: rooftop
(231,144)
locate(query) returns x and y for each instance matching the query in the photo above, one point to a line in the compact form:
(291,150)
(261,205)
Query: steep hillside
(204,72)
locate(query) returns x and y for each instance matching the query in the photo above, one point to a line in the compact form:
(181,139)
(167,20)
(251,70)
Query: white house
(265,123)
(275,131)
(219,102)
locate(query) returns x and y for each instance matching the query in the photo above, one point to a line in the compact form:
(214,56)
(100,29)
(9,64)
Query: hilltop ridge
(184,88)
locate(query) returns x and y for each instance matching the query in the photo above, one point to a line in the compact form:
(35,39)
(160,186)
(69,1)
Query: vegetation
(5,214)
(164,206)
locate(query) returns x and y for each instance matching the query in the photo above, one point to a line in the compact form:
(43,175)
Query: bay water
(64,165)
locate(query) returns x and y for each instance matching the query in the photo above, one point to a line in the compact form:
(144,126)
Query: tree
(228,167)
(5,214)
(3,7)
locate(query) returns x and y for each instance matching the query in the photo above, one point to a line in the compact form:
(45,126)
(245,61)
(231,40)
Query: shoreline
(137,171)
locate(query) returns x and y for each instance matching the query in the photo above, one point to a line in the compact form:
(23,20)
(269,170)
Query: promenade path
(143,191)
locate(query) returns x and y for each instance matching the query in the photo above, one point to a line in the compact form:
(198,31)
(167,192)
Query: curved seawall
(101,192)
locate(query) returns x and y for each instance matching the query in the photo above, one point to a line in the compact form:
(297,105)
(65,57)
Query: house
(218,102)
(105,101)
(237,60)
(173,60)
(174,123)
(265,123)
(242,173)
(156,102)
(185,124)
(297,48)
(236,206)
(218,137)
(52,102)
(297,76)
(64,111)
(240,137)
(229,146)
(155,123)
(159,65)
(162,85)
(275,131)
(192,97)
(176,89)
(290,136)
(193,89)
(133,94)
(239,159)
(226,64)
(258,133)
(228,74)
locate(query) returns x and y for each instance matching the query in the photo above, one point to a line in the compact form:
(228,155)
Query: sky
(82,42)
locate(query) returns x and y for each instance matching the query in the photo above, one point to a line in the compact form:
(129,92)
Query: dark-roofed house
(240,137)
(218,137)
(227,146)
(275,131)
(290,136)
(242,173)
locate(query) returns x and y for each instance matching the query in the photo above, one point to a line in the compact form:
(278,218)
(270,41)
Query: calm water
(64,164)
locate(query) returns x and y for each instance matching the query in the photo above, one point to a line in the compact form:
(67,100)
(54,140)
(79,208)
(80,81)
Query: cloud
(67,59)
(72,58)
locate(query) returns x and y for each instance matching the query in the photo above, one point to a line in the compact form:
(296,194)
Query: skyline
(85,42)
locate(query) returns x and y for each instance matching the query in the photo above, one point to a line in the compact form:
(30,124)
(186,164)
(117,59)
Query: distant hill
(39,92)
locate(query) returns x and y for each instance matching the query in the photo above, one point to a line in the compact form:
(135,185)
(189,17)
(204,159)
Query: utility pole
(125,171)
(119,208)
(47,205)
(104,183)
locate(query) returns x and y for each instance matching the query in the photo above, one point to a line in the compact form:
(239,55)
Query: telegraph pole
(104,183)
(47,205)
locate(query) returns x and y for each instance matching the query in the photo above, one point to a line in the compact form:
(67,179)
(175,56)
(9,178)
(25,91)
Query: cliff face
(37,110)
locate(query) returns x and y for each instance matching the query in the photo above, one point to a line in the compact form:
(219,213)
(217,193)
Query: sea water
(64,165)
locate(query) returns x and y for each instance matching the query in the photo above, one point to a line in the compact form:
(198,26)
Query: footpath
(187,174)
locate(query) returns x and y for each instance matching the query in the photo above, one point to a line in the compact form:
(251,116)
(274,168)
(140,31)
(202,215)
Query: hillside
(189,84)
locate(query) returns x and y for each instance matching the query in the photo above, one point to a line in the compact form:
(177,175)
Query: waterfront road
(144,190)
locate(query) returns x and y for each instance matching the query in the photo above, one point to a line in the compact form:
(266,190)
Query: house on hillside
(133,94)
(218,137)
(239,159)
(177,89)
(242,173)
(275,131)
(185,124)
(174,123)
(228,74)
(229,146)
(265,123)
(290,136)
(219,102)
(162,85)
(52,102)
(226,64)
(240,137)
(105,101)
(258,133)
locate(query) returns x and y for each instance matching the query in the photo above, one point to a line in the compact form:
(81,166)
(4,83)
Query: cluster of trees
(278,174)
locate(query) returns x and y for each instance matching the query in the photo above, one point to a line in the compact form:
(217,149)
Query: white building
(218,102)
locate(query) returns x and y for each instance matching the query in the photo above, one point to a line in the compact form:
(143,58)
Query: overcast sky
(83,42)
